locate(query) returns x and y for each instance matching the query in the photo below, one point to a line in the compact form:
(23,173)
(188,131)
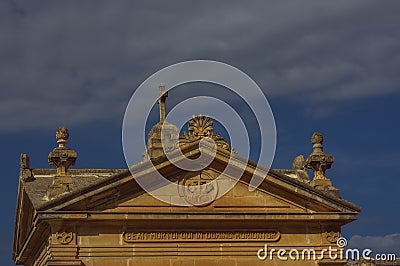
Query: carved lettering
(201,236)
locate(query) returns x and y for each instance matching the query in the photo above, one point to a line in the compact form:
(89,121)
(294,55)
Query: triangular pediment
(278,193)
(236,199)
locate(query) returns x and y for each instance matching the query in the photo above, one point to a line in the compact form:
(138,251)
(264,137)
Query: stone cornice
(193,215)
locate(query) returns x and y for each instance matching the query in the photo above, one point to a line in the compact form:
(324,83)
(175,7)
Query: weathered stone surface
(318,161)
(229,231)
(106,218)
(25,172)
(62,158)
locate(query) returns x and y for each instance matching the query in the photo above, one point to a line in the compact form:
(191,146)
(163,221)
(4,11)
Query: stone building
(103,216)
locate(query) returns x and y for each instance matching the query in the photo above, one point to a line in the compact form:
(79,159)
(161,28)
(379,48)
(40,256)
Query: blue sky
(329,66)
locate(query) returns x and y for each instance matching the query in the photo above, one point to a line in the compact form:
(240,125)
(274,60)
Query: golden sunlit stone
(103,217)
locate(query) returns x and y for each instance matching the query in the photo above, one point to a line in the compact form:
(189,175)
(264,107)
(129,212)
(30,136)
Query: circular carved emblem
(332,236)
(198,188)
(64,237)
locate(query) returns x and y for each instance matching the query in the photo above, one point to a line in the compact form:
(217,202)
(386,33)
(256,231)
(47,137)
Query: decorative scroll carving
(193,236)
(64,238)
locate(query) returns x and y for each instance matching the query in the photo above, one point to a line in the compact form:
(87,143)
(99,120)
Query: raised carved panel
(332,236)
(198,189)
(63,238)
(193,236)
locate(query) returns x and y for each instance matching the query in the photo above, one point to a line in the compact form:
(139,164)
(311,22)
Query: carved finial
(62,136)
(318,161)
(317,139)
(62,158)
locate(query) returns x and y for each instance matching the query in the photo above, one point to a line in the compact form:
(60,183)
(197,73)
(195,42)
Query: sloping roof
(81,178)
(94,181)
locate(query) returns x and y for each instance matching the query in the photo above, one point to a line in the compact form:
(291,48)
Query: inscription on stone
(269,236)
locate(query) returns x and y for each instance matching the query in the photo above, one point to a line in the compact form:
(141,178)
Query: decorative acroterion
(318,161)
(62,158)
(199,127)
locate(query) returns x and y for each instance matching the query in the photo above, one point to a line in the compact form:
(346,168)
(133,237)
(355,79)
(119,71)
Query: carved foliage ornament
(62,135)
(201,126)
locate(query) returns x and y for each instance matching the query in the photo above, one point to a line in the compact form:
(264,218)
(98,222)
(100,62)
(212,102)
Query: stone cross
(161,101)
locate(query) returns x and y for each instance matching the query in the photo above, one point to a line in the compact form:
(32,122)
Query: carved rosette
(64,238)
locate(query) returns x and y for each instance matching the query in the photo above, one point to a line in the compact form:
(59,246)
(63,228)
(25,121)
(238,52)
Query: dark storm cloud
(77,62)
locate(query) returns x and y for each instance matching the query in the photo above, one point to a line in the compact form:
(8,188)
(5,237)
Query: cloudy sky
(330,66)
